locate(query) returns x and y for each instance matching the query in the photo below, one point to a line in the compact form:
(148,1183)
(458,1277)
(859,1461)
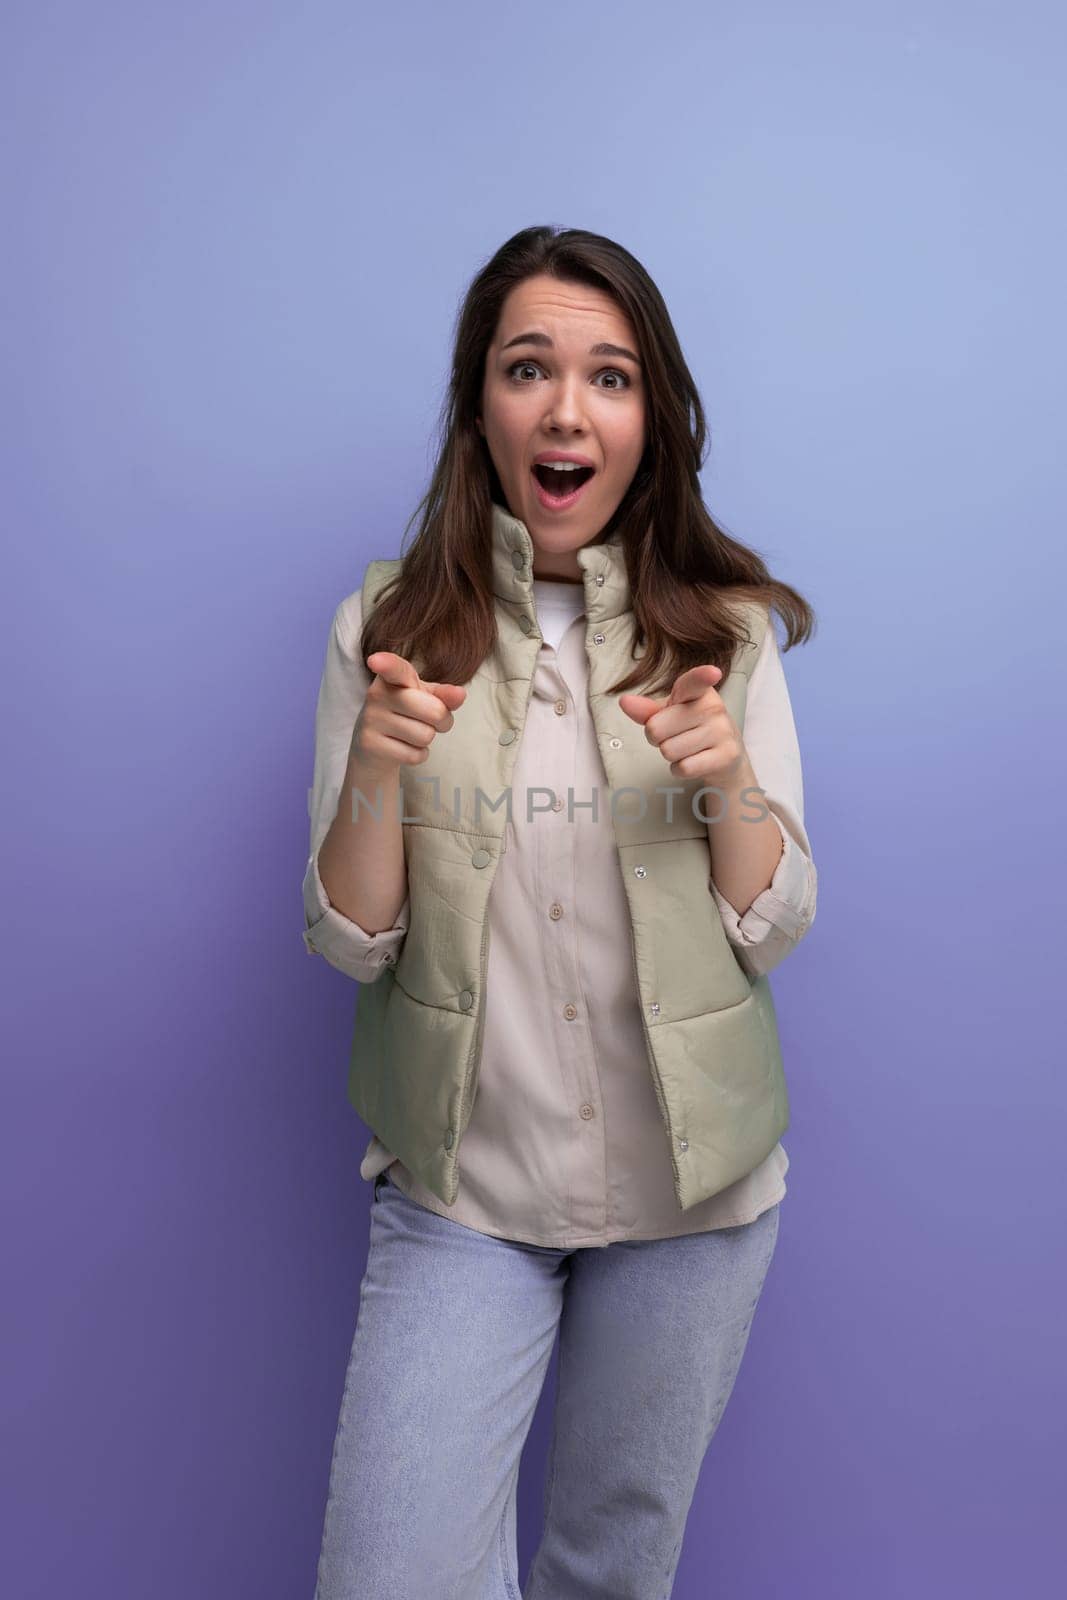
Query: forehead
(562,310)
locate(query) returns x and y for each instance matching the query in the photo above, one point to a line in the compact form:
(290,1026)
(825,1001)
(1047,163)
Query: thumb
(453,694)
(393,669)
(640,707)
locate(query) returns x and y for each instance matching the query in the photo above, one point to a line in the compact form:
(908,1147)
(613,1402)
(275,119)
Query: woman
(574,1083)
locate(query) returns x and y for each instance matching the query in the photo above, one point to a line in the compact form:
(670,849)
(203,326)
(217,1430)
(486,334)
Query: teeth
(563,466)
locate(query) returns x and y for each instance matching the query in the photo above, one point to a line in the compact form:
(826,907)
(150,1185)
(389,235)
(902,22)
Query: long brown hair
(684,569)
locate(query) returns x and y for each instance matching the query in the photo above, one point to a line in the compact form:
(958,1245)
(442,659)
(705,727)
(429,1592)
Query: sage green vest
(711,1032)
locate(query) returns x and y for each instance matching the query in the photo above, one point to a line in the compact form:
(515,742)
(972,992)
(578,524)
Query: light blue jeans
(453,1338)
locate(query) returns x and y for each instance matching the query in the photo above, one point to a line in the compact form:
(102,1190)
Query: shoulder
(349,617)
(348,622)
(377,575)
(754,617)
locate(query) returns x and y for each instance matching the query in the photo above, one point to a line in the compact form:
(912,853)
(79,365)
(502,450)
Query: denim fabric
(453,1338)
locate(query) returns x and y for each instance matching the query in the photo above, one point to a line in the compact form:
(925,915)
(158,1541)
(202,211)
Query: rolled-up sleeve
(780,916)
(327,931)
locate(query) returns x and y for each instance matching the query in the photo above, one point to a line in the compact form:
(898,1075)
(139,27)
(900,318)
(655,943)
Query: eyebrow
(545,342)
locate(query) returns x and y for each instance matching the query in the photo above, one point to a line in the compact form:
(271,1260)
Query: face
(548,387)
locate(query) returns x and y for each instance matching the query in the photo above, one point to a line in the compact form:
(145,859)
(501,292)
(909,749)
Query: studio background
(236,238)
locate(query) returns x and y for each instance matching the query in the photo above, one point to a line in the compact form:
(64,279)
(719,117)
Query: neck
(557,577)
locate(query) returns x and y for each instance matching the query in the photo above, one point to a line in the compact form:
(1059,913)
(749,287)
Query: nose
(567,409)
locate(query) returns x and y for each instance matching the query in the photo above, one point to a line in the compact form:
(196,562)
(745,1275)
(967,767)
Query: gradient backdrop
(236,237)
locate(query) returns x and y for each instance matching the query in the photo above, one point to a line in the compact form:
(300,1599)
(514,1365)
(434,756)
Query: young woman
(568,692)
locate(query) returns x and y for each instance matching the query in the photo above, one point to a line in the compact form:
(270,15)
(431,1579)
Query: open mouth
(560,487)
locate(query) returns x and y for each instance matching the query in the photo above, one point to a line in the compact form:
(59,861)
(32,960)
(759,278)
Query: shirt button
(557,804)
(555,911)
(570,1011)
(560,707)
(586,1112)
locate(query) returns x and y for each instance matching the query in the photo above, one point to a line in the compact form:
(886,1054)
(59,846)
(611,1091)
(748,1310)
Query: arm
(355,868)
(776,852)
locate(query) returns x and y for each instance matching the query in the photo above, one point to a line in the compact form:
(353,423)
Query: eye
(609,372)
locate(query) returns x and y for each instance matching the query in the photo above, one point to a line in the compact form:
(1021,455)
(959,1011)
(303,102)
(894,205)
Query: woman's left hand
(692,728)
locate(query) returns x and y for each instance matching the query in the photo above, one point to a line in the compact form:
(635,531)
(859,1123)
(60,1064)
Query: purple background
(236,238)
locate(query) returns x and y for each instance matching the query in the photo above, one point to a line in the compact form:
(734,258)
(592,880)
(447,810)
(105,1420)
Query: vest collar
(604,577)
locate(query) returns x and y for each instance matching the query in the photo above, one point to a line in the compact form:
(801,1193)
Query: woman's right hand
(401,716)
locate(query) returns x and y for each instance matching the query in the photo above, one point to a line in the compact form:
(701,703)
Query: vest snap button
(683,1144)
(466,1000)
(598,638)
(507,736)
(449,1138)
(480,858)
(600,577)
(640,872)
(654,1008)
(616,744)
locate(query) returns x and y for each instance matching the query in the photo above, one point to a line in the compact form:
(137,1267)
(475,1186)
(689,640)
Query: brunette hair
(684,569)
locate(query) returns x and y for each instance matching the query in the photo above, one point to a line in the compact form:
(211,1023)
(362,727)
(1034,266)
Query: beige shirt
(566,1145)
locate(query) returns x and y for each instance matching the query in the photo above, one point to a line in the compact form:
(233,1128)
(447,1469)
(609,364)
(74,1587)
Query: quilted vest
(710,1030)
